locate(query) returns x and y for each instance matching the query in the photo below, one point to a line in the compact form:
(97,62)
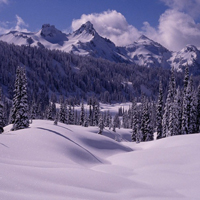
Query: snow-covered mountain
(189,55)
(146,52)
(84,41)
(87,42)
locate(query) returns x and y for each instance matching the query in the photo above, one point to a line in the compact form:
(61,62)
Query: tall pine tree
(198,109)
(1,113)
(134,121)
(187,108)
(159,113)
(168,106)
(20,102)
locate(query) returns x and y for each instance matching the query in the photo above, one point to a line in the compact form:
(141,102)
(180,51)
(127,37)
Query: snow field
(61,162)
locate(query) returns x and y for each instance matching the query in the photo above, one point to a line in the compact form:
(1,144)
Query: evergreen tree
(73,116)
(90,112)
(85,124)
(76,118)
(168,108)
(101,125)
(15,97)
(177,119)
(186,79)
(107,121)
(34,111)
(62,113)
(146,128)
(82,115)
(21,120)
(134,121)
(110,122)
(56,119)
(173,84)
(159,113)
(96,114)
(66,113)
(187,107)
(198,109)
(125,119)
(114,126)
(70,115)
(53,105)
(193,109)
(1,113)
(49,112)
(116,121)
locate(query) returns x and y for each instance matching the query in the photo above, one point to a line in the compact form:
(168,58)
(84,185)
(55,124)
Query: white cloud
(190,7)
(175,30)
(20,24)
(110,24)
(4,1)
(177,26)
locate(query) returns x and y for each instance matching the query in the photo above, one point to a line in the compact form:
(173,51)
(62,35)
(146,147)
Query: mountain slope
(87,42)
(146,52)
(84,41)
(189,55)
(54,162)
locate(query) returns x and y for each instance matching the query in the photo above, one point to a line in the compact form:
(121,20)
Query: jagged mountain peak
(88,28)
(49,30)
(189,48)
(143,37)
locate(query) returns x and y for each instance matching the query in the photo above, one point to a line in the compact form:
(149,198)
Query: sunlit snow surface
(53,162)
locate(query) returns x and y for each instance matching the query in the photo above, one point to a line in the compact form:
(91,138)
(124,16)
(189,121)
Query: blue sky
(62,12)
(173,23)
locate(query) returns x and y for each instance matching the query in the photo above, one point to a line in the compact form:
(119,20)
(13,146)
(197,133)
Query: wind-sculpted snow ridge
(63,162)
(87,42)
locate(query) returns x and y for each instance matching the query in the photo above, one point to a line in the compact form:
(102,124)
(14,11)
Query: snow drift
(59,162)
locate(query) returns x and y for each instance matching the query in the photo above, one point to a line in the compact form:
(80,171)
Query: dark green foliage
(19,116)
(1,114)
(134,121)
(159,112)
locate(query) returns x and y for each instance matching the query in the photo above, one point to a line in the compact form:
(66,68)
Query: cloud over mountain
(110,24)
(20,25)
(177,26)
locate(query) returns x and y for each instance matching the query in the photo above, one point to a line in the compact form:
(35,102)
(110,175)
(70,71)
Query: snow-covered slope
(84,41)
(63,162)
(146,52)
(189,55)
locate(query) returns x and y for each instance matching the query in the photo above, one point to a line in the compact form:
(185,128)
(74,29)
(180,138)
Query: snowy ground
(71,162)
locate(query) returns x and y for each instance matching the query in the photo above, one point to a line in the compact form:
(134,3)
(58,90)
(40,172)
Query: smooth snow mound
(63,162)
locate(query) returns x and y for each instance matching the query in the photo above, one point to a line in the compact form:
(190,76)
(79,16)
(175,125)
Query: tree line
(177,115)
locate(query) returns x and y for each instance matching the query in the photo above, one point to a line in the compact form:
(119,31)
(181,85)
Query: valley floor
(63,162)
